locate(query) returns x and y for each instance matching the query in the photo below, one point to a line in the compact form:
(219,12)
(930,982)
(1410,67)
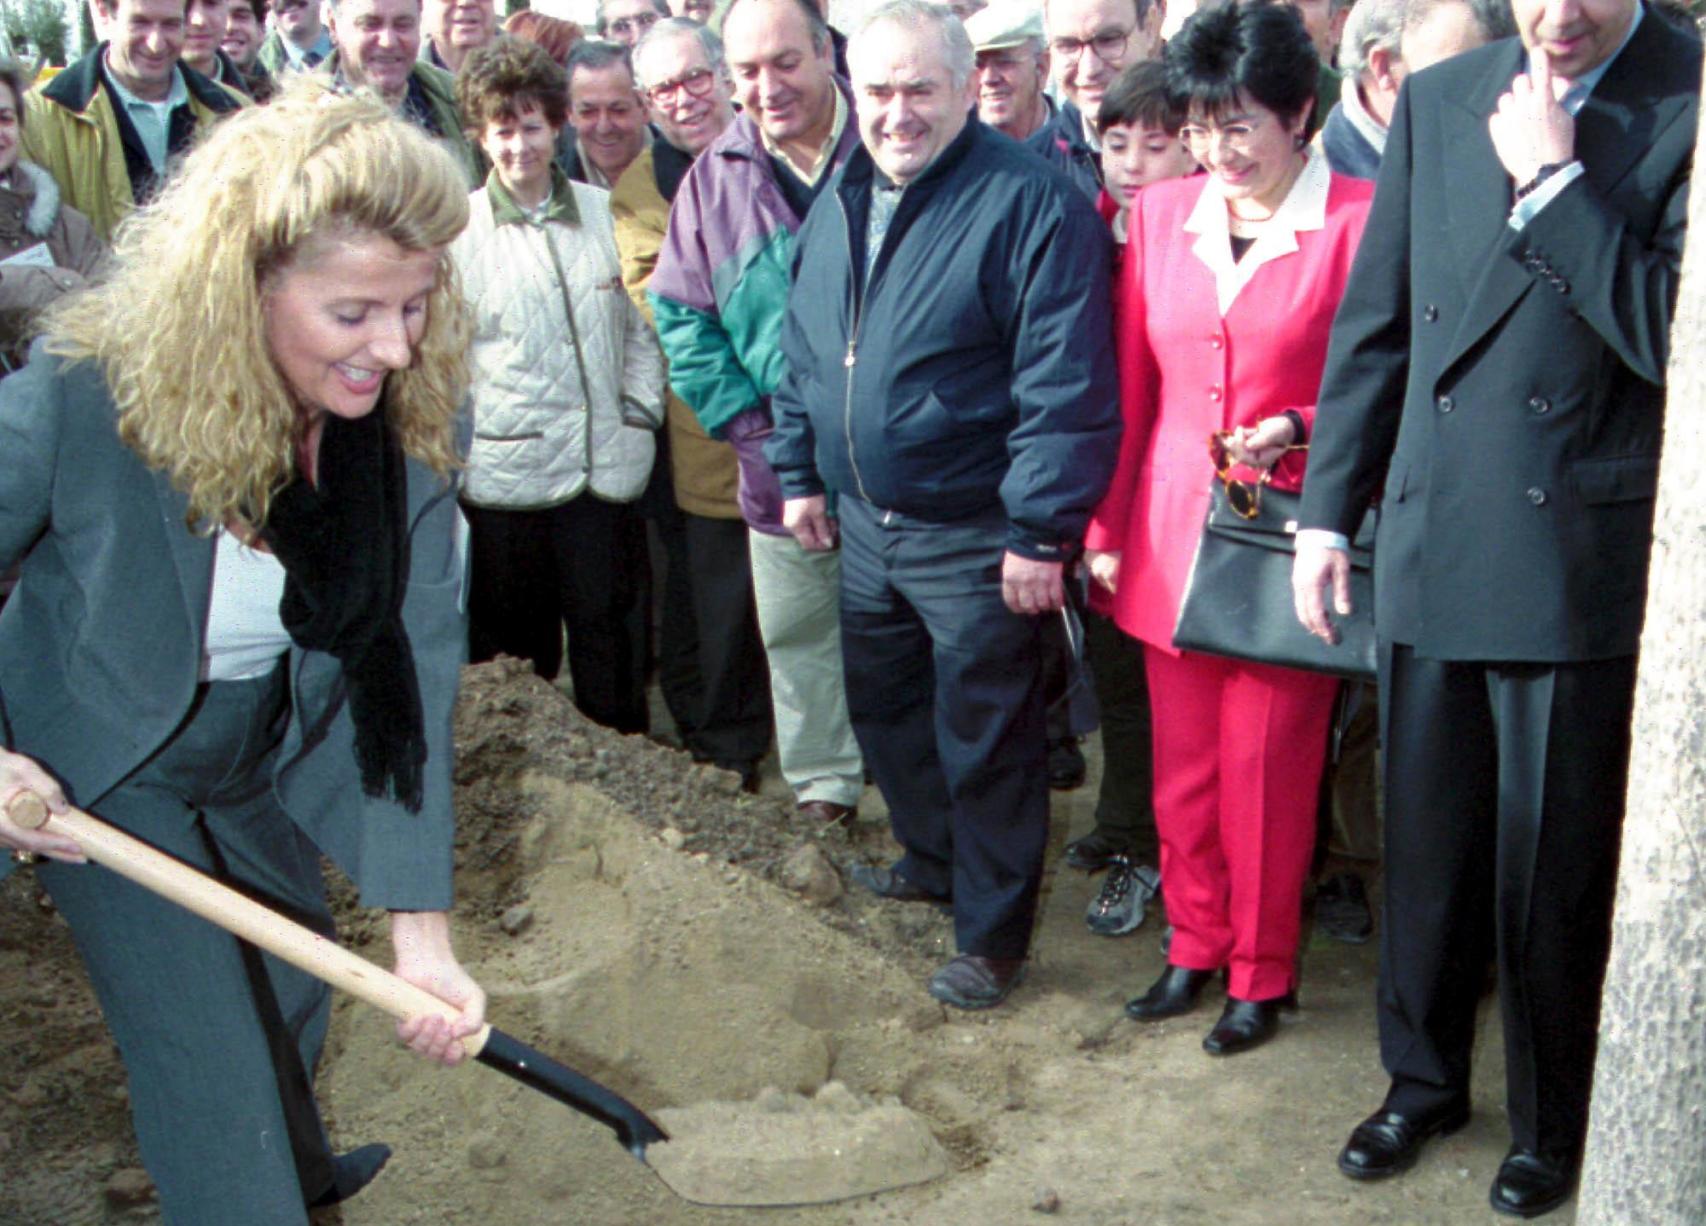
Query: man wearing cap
(1012,67)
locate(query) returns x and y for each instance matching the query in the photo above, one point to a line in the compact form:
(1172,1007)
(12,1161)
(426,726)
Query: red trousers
(1238,755)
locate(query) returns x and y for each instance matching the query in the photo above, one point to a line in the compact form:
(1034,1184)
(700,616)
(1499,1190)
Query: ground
(635,916)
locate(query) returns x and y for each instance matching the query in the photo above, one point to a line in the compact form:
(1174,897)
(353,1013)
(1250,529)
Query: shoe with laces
(1118,907)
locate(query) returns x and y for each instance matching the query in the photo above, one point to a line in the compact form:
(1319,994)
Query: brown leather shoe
(971,981)
(826,812)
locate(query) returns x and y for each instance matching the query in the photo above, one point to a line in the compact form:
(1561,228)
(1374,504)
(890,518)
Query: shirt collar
(1366,125)
(1576,95)
(322,47)
(824,155)
(1092,137)
(558,206)
(176,96)
(1304,208)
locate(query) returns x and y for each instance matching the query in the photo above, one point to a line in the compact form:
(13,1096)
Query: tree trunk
(1646,1154)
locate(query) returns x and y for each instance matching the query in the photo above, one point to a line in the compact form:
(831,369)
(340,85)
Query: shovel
(308,950)
(724,1154)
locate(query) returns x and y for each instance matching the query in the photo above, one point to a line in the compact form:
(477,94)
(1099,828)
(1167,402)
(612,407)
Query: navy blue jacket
(976,373)
(1061,143)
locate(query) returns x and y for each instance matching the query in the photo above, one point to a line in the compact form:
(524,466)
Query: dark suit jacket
(1507,387)
(100,646)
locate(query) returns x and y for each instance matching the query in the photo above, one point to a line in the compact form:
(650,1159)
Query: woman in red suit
(1227,295)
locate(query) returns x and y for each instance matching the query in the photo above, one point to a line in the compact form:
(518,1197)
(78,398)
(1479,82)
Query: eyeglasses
(697,84)
(1239,136)
(638,24)
(1243,497)
(1109,47)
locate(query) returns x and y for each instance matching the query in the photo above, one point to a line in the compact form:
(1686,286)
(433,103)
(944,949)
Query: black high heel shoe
(1174,993)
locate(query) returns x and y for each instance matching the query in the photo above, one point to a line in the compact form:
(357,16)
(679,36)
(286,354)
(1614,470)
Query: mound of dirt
(639,918)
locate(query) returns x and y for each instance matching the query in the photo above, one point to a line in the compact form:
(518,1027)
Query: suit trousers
(732,721)
(945,687)
(710,662)
(579,564)
(1504,809)
(1239,749)
(798,594)
(219,1040)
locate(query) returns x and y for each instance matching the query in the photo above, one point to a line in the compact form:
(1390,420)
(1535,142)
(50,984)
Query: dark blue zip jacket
(1060,142)
(976,372)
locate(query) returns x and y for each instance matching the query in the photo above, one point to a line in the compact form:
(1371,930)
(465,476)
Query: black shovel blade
(510,1056)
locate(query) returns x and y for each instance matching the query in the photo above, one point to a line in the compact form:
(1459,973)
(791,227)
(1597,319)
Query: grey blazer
(100,646)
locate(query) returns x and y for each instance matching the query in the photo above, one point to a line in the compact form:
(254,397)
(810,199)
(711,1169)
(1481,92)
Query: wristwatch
(1540,176)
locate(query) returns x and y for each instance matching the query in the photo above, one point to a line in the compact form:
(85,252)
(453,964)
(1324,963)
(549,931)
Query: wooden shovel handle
(242,917)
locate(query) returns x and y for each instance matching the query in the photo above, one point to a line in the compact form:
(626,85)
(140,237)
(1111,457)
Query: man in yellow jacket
(107,127)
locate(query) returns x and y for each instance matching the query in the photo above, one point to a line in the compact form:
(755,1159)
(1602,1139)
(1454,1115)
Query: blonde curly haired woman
(237,632)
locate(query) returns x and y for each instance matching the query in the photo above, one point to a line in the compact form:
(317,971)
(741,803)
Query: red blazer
(1205,344)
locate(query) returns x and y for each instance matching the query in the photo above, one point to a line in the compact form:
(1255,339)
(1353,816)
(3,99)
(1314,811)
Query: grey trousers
(219,1040)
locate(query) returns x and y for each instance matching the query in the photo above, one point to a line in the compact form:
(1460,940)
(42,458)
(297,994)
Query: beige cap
(1005,23)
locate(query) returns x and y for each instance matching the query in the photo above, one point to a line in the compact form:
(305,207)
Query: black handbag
(1238,601)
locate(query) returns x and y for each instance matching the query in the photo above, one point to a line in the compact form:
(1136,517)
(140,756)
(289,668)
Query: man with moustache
(950,376)
(607,113)
(376,45)
(710,661)
(720,294)
(456,29)
(1496,378)
(1012,67)
(298,41)
(106,127)
(1089,41)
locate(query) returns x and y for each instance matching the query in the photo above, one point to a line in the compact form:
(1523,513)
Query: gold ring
(24,857)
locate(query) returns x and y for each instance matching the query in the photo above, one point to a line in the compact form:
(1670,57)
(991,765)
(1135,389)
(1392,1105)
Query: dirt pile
(641,919)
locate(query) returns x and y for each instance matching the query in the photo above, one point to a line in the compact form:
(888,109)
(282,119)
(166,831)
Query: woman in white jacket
(568,392)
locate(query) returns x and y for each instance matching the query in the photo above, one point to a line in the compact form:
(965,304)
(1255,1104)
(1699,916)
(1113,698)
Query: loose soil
(639,918)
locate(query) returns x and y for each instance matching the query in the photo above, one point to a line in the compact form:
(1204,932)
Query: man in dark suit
(1496,378)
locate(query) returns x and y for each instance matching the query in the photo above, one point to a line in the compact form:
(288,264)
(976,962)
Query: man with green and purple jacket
(719,295)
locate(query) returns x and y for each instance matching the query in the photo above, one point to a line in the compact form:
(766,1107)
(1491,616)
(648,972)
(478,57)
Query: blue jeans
(944,685)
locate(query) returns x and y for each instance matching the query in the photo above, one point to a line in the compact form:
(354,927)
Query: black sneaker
(1341,909)
(1066,768)
(1118,907)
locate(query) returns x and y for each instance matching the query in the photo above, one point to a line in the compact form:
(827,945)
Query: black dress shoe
(1532,1182)
(351,1173)
(1245,1024)
(1092,852)
(971,981)
(886,882)
(1387,1142)
(1066,766)
(1174,993)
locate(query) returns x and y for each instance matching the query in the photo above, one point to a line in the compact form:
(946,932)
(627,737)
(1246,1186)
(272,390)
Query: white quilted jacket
(536,442)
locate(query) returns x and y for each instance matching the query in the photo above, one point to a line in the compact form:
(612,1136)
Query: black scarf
(345,549)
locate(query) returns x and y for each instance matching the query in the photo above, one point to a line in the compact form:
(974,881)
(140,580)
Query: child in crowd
(1140,146)
(1139,128)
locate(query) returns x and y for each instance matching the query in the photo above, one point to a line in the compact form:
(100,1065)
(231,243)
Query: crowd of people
(871,392)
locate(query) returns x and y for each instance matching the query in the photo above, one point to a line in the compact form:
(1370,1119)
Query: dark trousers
(1125,806)
(578,565)
(944,687)
(732,725)
(1504,808)
(219,1040)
